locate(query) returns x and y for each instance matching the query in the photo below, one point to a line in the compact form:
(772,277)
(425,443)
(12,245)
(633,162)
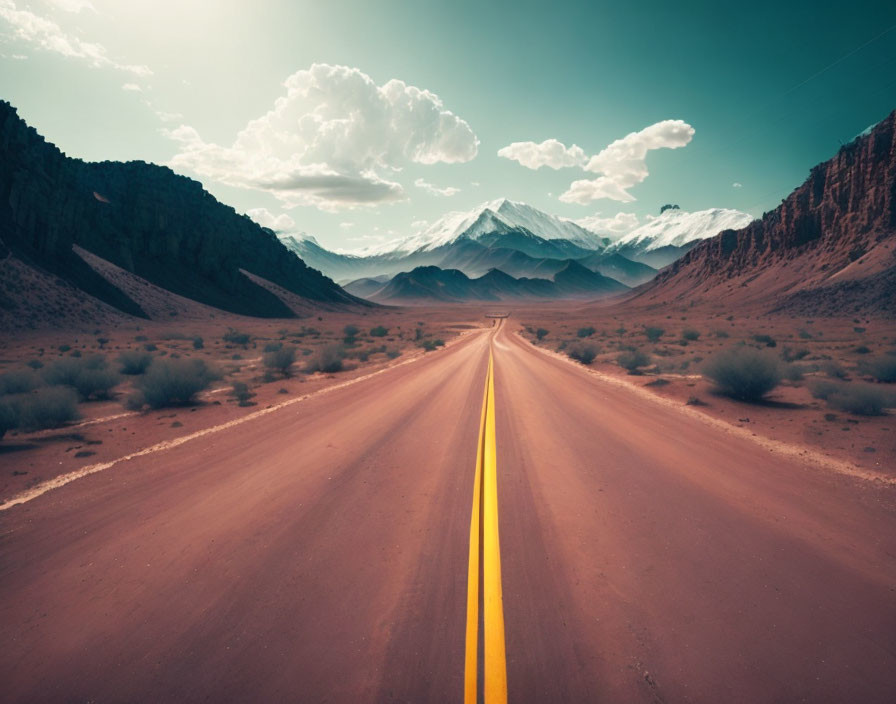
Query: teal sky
(769,90)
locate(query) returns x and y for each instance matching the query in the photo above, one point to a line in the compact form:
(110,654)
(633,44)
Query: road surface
(319,554)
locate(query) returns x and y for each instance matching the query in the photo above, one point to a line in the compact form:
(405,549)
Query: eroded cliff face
(834,231)
(146,219)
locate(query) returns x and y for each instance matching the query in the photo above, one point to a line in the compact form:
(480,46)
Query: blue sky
(360,121)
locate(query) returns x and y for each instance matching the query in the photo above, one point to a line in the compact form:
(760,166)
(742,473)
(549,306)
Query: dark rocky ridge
(146,219)
(830,242)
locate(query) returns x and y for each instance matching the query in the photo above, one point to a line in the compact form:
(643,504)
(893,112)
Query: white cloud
(74,5)
(346,225)
(265,218)
(737,185)
(419,224)
(132,87)
(550,153)
(435,190)
(46,34)
(329,139)
(623,163)
(167,116)
(618,224)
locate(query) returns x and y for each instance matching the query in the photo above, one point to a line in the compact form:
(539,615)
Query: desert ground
(311,540)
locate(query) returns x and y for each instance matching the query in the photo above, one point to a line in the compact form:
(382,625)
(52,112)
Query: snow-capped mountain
(495,217)
(676,228)
(662,239)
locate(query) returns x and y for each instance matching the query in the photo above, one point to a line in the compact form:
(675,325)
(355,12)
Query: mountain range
(524,242)
(427,284)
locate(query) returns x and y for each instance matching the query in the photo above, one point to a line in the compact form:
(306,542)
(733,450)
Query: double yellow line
(485,553)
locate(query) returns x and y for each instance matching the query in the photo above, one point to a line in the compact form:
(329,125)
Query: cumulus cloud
(623,163)
(435,190)
(329,140)
(265,218)
(550,153)
(617,225)
(346,225)
(44,33)
(132,87)
(737,185)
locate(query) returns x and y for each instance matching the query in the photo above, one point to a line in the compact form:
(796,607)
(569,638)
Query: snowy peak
(496,216)
(677,228)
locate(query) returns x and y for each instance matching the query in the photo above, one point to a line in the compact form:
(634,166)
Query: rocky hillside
(145,219)
(829,248)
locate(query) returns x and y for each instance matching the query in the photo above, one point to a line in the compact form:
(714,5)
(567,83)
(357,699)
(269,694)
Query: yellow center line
(485,551)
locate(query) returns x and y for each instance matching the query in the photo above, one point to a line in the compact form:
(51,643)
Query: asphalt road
(319,554)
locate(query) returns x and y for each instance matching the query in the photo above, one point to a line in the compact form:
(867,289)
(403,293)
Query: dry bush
(327,359)
(172,382)
(744,373)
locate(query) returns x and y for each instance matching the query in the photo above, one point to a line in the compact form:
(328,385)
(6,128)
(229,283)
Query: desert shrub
(64,348)
(791,355)
(34,364)
(76,353)
(234,337)
(418,333)
(582,352)
(430,345)
(351,331)
(173,336)
(327,359)
(862,349)
(9,417)
(273,346)
(792,372)
(859,330)
(721,334)
(89,376)
(19,381)
(198,343)
(393,353)
(240,391)
(766,340)
(744,373)
(280,359)
(585,332)
(658,382)
(653,334)
(541,333)
(632,360)
(690,334)
(804,335)
(881,368)
(832,369)
(140,338)
(174,382)
(45,408)
(379,331)
(856,398)
(133,362)
(821,388)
